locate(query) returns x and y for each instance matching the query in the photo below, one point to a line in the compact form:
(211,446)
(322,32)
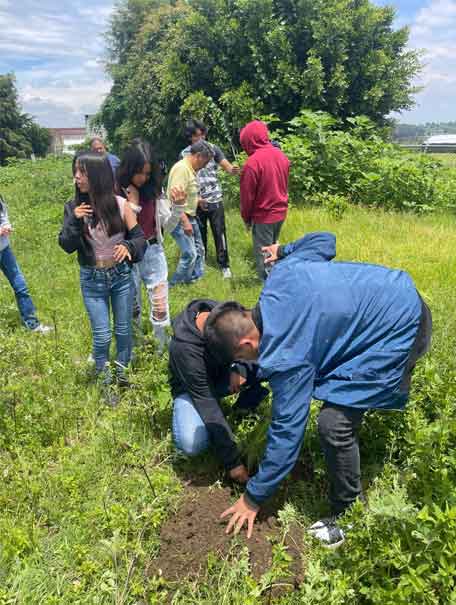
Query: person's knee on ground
(192,443)
(189,432)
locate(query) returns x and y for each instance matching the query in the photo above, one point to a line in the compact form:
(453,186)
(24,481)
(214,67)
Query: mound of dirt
(196,530)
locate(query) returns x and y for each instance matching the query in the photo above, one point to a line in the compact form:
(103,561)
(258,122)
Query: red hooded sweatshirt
(264,178)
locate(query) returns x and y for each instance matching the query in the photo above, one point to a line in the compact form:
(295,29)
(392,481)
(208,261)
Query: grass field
(447,159)
(85,489)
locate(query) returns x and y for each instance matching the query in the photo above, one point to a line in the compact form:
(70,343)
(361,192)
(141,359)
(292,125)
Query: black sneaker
(328,532)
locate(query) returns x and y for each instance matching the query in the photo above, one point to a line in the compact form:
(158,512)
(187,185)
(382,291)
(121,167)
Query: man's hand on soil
(241,512)
(239,474)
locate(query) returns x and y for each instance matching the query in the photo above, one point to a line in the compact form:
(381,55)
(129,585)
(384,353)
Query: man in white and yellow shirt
(187,233)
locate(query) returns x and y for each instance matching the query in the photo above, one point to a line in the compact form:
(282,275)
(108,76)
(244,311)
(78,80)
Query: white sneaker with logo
(226,272)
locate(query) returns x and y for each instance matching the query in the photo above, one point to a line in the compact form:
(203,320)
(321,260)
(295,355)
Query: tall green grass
(84,488)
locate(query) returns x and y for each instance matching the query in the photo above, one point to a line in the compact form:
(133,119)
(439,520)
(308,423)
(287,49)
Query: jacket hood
(254,136)
(184,326)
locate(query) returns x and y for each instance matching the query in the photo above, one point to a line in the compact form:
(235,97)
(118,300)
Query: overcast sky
(56,49)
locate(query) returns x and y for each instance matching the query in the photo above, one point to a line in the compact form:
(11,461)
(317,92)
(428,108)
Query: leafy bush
(359,164)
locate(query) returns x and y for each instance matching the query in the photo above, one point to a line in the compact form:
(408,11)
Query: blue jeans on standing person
(9,266)
(102,290)
(190,434)
(191,263)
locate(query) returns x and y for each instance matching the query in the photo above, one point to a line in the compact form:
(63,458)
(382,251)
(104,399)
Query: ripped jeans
(153,272)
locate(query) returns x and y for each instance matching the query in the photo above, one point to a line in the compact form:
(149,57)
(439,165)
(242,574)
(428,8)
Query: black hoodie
(194,371)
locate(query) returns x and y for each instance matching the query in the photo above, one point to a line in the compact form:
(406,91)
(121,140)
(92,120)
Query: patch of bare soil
(196,530)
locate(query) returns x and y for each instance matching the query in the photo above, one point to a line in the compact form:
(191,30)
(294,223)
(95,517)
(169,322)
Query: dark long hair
(135,157)
(101,190)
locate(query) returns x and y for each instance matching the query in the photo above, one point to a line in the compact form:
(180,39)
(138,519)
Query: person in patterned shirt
(210,206)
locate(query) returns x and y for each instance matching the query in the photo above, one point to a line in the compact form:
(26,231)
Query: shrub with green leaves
(356,162)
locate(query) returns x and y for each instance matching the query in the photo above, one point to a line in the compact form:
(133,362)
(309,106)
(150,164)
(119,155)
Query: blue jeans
(191,262)
(103,289)
(9,266)
(189,431)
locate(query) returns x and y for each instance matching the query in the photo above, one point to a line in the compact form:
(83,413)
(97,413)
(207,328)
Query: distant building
(64,139)
(443,143)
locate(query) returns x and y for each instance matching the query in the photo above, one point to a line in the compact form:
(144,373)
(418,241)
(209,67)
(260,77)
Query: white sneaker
(328,532)
(42,329)
(90,358)
(226,272)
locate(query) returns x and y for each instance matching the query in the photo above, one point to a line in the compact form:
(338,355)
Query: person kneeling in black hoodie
(198,382)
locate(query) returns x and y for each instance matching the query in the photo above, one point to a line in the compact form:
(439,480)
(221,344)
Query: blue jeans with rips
(191,263)
(152,271)
(12,272)
(105,290)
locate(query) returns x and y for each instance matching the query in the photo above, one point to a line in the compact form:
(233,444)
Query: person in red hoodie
(264,189)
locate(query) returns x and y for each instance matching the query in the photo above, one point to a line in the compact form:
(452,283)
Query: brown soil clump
(195,531)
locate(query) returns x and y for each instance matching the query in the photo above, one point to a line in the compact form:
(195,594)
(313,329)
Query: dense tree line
(227,61)
(418,132)
(20,136)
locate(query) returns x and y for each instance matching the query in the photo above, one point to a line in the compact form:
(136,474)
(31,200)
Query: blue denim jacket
(337,331)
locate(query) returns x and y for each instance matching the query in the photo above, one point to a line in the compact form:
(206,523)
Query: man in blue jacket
(348,334)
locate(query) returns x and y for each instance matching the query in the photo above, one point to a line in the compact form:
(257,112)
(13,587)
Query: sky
(56,50)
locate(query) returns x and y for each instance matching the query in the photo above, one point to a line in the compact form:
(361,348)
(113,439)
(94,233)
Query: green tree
(252,57)
(13,124)
(20,136)
(38,137)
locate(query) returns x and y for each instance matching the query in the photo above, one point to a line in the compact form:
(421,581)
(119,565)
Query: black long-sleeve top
(73,238)
(194,371)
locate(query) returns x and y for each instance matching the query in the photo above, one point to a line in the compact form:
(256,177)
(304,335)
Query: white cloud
(56,49)
(56,53)
(433,30)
